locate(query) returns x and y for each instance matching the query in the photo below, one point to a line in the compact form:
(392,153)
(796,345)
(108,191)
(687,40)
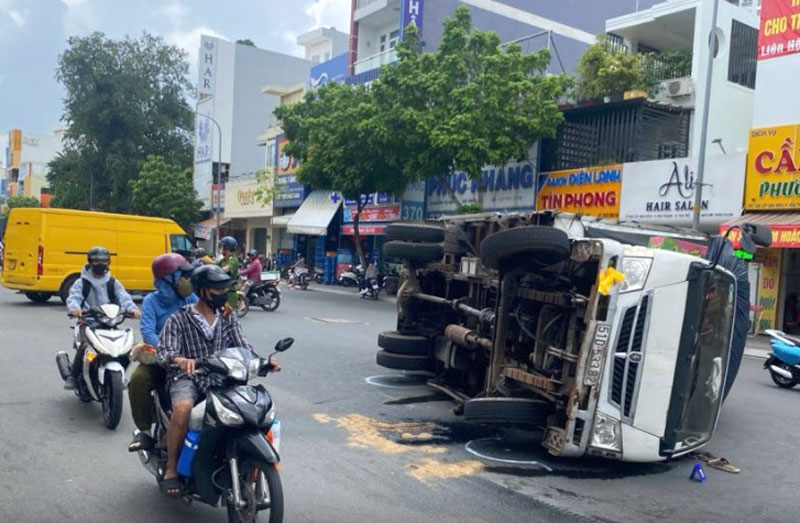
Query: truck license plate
(596,354)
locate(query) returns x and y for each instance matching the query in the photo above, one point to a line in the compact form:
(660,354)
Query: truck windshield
(702,360)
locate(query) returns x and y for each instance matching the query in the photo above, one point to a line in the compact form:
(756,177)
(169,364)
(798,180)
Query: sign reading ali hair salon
(663,191)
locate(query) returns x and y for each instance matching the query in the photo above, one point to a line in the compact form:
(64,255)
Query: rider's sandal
(141,442)
(724,465)
(171,487)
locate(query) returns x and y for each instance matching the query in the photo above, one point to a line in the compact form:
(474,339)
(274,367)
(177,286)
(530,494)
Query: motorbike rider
(172,279)
(195,331)
(253,270)
(201,258)
(94,288)
(230,264)
(370,275)
(299,264)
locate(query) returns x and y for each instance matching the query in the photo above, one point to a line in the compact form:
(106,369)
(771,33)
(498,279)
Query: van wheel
(63,292)
(38,297)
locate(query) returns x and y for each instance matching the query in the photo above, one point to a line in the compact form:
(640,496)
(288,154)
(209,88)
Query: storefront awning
(315,214)
(282,221)
(203,229)
(785,227)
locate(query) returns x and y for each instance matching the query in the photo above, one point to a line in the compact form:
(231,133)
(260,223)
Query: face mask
(216,301)
(100,269)
(183,288)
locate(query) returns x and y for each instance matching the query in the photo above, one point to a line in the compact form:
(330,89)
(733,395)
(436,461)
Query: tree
(334,134)
(603,72)
(125,100)
(470,104)
(246,41)
(19,201)
(165,190)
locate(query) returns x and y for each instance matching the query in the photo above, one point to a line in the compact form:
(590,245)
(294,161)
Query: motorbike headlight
(606,433)
(226,416)
(636,271)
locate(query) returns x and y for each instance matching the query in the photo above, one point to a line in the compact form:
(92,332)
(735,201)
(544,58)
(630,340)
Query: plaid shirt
(183,336)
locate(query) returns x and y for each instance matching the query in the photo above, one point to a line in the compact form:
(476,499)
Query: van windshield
(181,244)
(702,360)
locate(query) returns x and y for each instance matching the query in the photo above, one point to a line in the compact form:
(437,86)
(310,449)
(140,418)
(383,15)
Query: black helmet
(210,277)
(199,253)
(253,253)
(229,242)
(98,254)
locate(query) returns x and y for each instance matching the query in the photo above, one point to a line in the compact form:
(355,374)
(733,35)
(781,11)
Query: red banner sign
(377,214)
(783,236)
(780,28)
(364,230)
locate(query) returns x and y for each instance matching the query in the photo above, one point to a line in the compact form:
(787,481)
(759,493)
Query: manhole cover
(510,452)
(397,381)
(337,321)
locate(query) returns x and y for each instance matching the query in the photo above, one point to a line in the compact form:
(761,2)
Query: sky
(34,32)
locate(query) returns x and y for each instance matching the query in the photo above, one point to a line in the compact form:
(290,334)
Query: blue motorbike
(784,361)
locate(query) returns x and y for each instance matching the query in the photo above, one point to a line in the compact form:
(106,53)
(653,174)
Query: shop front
(251,216)
(315,226)
(772,198)
(289,196)
(592,191)
(380,210)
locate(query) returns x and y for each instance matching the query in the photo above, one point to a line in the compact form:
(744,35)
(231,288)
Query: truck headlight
(606,433)
(635,271)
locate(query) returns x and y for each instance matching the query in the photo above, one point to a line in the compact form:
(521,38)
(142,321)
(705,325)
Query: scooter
(351,277)
(231,452)
(105,359)
(374,288)
(301,277)
(265,294)
(784,361)
(319,275)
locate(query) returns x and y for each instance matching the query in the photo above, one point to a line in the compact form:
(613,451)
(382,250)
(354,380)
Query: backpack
(110,290)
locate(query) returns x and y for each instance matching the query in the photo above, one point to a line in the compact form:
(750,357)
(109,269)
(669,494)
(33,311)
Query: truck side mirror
(759,234)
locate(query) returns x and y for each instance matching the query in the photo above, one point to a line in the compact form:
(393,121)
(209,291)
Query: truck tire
(38,297)
(404,361)
(415,252)
(63,291)
(396,343)
(511,247)
(415,232)
(517,411)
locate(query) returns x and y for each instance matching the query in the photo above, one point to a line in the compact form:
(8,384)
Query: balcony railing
(375,61)
(364,3)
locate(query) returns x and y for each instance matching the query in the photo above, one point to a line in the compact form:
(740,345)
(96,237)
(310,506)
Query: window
(181,244)
(327,56)
(742,60)
(271,155)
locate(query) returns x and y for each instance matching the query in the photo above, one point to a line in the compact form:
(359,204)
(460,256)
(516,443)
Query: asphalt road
(356,452)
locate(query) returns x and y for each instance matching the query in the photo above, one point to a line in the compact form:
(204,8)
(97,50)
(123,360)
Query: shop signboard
(594,191)
(364,230)
(413,12)
(242,200)
(207,66)
(288,191)
(773,169)
(780,28)
(783,236)
(218,197)
(202,178)
(511,187)
(334,70)
(663,191)
(389,213)
(413,207)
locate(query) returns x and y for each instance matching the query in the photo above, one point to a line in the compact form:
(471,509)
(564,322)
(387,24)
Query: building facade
(26,156)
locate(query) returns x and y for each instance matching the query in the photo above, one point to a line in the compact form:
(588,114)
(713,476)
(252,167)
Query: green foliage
(125,100)
(165,190)
(246,41)
(19,201)
(470,208)
(470,104)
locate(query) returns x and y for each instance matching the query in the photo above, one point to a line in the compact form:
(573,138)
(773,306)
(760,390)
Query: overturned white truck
(572,325)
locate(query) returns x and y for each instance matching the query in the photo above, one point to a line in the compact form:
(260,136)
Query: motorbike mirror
(759,234)
(284,344)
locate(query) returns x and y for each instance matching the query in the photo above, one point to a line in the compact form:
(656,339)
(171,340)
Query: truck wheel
(396,343)
(63,291)
(511,247)
(38,297)
(415,232)
(403,361)
(517,411)
(415,252)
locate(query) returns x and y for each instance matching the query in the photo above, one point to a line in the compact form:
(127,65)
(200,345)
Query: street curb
(757,353)
(326,289)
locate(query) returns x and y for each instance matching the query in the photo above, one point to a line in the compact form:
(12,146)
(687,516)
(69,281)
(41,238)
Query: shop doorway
(260,240)
(790,306)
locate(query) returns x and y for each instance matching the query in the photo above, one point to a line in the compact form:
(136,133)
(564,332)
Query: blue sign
(334,70)
(288,192)
(412,13)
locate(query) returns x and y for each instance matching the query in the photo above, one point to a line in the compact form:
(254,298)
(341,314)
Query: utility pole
(218,209)
(701,162)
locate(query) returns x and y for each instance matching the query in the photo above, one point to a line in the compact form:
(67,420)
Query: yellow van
(45,249)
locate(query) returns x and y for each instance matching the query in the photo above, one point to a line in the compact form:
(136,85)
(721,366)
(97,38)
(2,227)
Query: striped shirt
(184,336)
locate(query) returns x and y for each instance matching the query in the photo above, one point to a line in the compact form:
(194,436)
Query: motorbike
(319,275)
(352,276)
(231,452)
(265,294)
(375,287)
(105,359)
(784,361)
(301,277)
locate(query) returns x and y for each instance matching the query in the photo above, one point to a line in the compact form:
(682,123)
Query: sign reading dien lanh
(594,191)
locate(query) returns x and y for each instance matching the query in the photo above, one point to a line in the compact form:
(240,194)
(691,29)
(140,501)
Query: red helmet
(169,264)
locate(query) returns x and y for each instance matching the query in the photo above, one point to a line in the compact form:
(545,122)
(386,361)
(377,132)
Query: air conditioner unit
(679,87)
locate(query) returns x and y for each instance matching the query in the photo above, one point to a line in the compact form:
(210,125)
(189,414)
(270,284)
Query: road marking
(337,321)
(397,381)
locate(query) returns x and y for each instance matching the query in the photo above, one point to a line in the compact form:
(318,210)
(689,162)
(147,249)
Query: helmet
(210,277)
(199,253)
(98,254)
(169,264)
(299,255)
(229,242)
(253,253)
